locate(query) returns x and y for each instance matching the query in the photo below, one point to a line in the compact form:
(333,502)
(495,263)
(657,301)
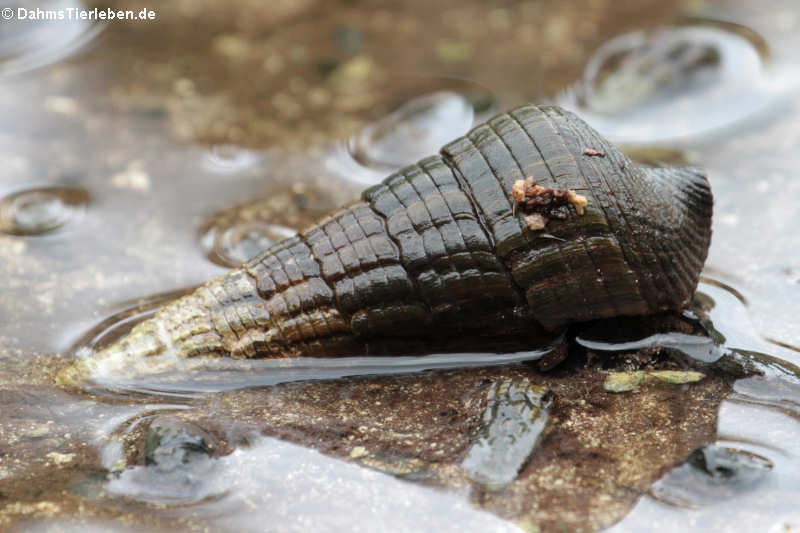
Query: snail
(529,222)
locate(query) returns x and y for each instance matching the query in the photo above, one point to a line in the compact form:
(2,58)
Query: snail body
(440,256)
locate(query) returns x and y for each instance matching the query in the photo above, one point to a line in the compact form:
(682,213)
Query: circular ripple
(229,159)
(233,245)
(416,129)
(122,322)
(676,82)
(428,112)
(41,210)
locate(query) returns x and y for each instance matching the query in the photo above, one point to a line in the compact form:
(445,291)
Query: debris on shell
(544,203)
(578,201)
(518,190)
(592,152)
(536,221)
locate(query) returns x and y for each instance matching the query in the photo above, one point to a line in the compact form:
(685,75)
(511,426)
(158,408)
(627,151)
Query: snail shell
(436,256)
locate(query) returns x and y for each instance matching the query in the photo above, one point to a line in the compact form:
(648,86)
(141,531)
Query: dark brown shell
(436,257)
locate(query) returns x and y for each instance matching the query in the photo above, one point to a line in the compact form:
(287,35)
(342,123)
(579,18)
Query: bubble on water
(231,246)
(415,130)
(31,41)
(41,210)
(676,82)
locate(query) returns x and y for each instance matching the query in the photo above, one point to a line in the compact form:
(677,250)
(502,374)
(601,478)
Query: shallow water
(124,147)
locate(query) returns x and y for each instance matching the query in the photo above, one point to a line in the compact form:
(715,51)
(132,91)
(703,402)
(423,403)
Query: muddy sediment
(600,452)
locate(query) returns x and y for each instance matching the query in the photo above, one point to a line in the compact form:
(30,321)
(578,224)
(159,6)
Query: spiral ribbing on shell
(436,255)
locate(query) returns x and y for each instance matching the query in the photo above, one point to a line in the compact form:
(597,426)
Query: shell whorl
(436,254)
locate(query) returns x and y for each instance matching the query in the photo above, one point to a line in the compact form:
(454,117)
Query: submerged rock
(173,444)
(629,381)
(401,467)
(711,474)
(514,422)
(178,459)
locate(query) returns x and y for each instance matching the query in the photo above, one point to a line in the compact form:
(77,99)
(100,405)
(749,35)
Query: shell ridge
(644,284)
(285,319)
(509,269)
(580,238)
(221,315)
(529,160)
(692,184)
(432,290)
(380,270)
(678,281)
(344,286)
(479,217)
(700,210)
(165,336)
(506,191)
(448,246)
(473,240)
(418,293)
(322,274)
(355,270)
(240,296)
(304,292)
(334,300)
(570,267)
(462,243)
(625,228)
(576,284)
(320,293)
(669,250)
(590,252)
(465,187)
(365,262)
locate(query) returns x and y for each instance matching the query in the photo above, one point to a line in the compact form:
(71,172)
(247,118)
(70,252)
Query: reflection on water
(248,489)
(170,374)
(699,348)
(761,423)
(514,422)
(756,452)
(709,475)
